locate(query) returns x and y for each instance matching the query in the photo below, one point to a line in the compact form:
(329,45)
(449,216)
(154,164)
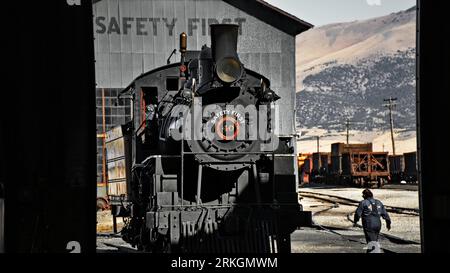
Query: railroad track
(112,243)
(122,248)
(350,202)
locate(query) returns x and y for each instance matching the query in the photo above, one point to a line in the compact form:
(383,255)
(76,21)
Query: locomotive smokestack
(224,42)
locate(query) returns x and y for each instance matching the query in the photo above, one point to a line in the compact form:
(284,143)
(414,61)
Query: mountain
(345,70)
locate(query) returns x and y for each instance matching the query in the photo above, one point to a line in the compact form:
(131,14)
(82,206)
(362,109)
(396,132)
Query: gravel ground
(310,240)
(319,241)
(403,226)
(105,222)
(389,197)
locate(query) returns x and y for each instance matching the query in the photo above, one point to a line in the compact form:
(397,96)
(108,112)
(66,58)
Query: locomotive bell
(224,41)
(183,43)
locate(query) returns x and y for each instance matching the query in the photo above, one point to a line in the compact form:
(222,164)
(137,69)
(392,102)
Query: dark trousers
(372,228)
(371,235)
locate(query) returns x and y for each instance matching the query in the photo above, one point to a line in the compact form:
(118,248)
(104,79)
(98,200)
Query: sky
(322,12)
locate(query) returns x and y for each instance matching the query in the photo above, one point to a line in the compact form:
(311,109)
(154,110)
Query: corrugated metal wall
(135,36)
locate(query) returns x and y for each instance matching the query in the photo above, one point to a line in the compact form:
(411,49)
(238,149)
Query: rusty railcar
(338,149)
(339,169)
(366,169)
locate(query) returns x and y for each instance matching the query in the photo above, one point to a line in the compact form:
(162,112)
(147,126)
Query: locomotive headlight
(229,70)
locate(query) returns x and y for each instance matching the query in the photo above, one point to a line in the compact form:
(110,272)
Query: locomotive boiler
(200,167)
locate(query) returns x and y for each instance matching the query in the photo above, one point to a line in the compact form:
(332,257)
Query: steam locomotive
(199,168)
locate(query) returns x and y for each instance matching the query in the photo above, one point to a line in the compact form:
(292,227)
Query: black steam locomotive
(199,168)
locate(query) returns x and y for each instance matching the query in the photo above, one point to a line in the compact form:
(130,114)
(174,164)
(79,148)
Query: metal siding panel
(160,60)
(286,118)
(102,68)
(220,10)
(202,11)
(170,34)
(115,70)
(254,32)
(160,41)
(244,57)
(149,62)
(255,62)
(265,64)
(149,39)
(275,69)
(181,26)
(190,10)
(102,40)
(125,37)
(288,83)
(137,41)
(127,68)
(138,64)
(288,63)
(115,41)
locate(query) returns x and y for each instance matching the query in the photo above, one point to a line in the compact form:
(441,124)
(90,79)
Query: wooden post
(391,106)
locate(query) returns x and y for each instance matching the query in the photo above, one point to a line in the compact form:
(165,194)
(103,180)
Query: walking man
(371,210)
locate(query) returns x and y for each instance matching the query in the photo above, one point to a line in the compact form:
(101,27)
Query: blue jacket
(370,210)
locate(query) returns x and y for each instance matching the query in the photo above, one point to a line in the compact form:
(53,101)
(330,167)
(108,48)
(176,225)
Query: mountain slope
(346,70)
(349,42)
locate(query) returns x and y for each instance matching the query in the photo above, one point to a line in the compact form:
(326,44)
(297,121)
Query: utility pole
(318,144)
(391,104)
(347,125)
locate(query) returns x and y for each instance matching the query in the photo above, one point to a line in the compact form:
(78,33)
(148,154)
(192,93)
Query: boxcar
(411,167)
(397,168)
(320,169)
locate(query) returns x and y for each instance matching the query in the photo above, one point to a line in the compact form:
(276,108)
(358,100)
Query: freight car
(410,174)
(397,168)
(304,167)
(403,168)
(365,169)
(320,167)
(189,174)
(336,174)
(351,164)
(338,149)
